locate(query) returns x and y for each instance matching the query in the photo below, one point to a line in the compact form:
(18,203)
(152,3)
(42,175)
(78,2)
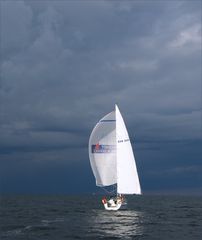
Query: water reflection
(121,224)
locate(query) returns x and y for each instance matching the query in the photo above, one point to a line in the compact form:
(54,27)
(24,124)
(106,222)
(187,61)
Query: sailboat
(112,159)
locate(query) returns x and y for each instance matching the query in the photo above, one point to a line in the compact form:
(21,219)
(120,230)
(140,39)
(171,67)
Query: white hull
(112,208)
(114,204)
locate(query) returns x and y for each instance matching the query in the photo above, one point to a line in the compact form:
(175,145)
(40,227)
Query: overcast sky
(64,64)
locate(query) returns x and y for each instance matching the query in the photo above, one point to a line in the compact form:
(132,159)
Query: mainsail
(111,155)
(127,176)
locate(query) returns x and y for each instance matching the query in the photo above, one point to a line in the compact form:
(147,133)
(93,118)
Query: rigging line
(110,191)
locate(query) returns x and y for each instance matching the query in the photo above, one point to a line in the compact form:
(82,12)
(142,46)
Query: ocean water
(83,217)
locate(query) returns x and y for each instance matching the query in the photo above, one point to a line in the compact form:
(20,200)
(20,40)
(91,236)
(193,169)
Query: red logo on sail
(97,148)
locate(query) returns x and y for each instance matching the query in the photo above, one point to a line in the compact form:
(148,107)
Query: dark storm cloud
(64,64)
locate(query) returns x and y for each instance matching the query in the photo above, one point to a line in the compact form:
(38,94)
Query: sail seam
(108,121)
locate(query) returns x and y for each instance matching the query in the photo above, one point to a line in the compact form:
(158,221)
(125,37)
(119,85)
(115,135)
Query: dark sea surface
(83,217)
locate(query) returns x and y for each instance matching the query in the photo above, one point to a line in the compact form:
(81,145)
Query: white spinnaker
(127,176)
(103,162)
